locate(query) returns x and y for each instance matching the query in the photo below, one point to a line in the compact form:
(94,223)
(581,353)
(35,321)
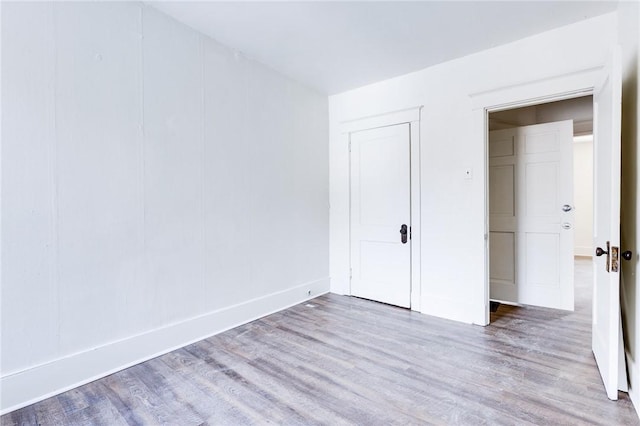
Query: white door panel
(541,191)
(502,215)
(541,140)
(380,205)
(607,100)
(530,179)
(503,266)
(501,197)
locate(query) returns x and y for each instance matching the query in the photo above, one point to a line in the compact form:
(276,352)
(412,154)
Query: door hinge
(409,232)
(350,273)
(349,145)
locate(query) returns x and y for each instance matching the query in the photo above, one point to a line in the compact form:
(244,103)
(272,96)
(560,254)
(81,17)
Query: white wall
(583,197)
(156,189)
(453,208)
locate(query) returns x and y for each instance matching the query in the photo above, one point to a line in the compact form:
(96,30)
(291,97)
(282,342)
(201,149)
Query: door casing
(552,89)
(410,116)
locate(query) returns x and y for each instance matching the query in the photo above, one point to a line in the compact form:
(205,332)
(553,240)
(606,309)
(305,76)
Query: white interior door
(531,215)
(607,99)
(545,222)
(381,215)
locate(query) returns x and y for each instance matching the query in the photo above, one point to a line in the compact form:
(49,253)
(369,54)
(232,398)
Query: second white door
(381,215)
(531,215)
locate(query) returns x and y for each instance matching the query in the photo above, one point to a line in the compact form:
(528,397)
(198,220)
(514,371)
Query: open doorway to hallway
(540,203)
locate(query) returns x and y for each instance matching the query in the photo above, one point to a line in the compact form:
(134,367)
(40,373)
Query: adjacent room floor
(342,360)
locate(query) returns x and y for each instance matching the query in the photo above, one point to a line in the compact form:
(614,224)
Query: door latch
(613,257)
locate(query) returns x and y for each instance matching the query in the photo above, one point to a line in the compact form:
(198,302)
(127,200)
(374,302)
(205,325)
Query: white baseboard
(26,387)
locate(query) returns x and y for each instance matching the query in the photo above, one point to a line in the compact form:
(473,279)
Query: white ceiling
(337,46)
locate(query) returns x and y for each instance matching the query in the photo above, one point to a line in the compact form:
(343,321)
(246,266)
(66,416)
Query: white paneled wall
(156,188)
(29,271)
(174,164)
(96,146)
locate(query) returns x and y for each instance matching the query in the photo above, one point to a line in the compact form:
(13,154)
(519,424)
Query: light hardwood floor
(341,360)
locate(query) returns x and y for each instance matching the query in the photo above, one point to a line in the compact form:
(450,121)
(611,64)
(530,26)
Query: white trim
(37,383)
(566,86)
(411,116)
(416,212)
(571,85)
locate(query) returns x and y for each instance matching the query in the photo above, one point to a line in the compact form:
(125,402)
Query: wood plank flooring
(340,360)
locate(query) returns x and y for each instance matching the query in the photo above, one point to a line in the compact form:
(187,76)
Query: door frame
(555,88)
(409,116)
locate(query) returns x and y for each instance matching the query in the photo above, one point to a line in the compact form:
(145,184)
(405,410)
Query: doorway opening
(605,85)
(540,188)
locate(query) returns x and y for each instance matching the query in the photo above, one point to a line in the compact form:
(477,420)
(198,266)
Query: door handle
(600,252)
(567,208)
(403,234)
(627,255)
